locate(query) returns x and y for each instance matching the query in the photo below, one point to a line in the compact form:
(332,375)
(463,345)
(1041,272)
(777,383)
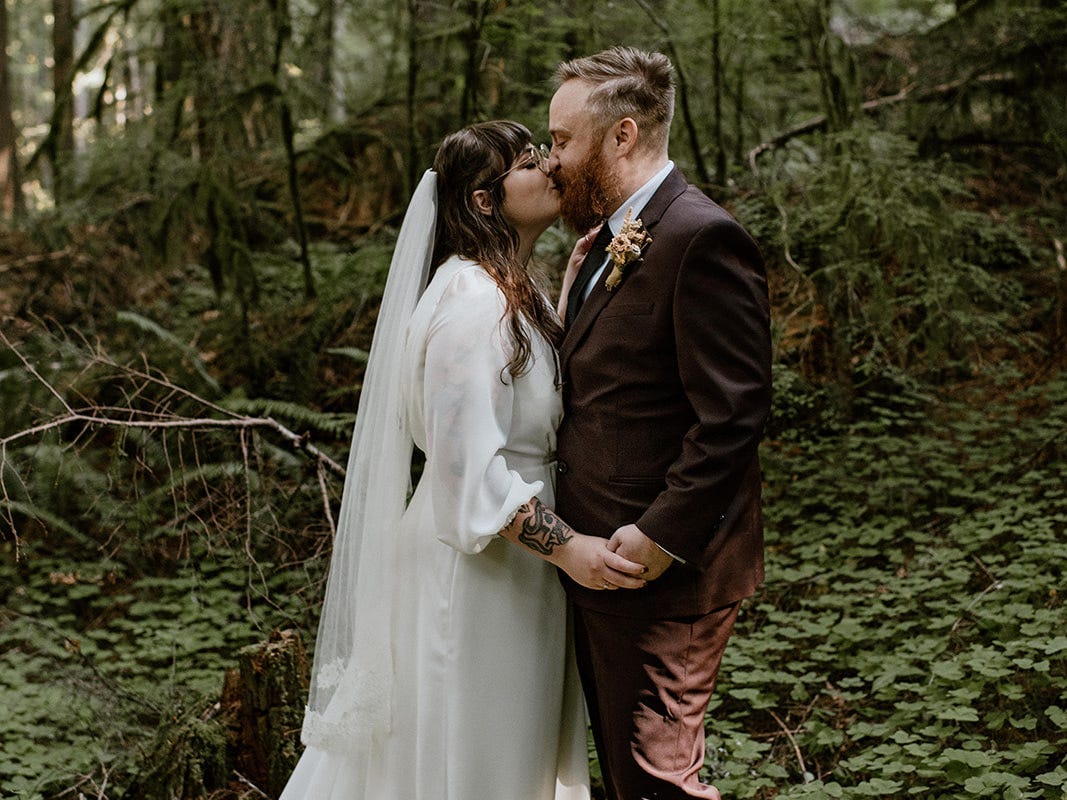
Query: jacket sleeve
(722,332)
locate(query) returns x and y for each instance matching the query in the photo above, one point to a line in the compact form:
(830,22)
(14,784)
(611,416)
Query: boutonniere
(625,248)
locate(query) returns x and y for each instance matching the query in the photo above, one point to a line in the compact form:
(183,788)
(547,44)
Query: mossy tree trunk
(265,697)
(62,76)
(250,738)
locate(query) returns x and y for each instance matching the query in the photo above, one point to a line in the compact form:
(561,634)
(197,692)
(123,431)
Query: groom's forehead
(571,95)
(565,112)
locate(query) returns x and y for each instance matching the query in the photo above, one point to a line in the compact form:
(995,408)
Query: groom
(667,376)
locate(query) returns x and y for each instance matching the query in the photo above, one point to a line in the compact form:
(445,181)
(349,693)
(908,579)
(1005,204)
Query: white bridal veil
(350,698)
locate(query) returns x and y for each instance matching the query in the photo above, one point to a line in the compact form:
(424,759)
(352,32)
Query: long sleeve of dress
(468,402)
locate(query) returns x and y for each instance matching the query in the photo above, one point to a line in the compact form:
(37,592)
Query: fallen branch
(796,747)
(1061,299)
(872,106)
(89,416)
(43,258)
(159,421)
(297,441)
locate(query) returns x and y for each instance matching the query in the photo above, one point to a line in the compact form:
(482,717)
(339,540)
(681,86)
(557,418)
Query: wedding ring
(605,585)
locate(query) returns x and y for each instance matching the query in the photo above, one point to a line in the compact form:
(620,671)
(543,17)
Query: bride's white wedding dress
(487,705)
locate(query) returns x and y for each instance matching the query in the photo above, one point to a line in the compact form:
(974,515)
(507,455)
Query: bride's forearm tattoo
(543,531)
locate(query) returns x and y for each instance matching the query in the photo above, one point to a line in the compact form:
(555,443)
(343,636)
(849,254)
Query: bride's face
(531,201)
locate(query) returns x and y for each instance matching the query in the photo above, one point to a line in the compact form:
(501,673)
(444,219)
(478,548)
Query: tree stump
(187,761)
(265,699)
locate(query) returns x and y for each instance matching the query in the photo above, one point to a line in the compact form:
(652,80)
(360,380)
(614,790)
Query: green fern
(357,354)
(210,475)
(9,509)
(155,329)
(335,424)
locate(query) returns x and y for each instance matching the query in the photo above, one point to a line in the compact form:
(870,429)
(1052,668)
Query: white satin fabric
(486,703)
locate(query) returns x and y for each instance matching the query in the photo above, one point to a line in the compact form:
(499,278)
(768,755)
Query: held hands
(587,559)
(578,254)
(590,562)
(629,542)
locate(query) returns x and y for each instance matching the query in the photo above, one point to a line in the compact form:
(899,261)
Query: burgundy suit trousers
(647,685)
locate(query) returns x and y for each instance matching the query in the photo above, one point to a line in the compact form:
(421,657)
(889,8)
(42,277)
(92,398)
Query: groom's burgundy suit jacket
(666,389)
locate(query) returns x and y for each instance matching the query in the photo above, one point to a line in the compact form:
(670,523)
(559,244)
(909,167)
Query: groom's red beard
(588,194)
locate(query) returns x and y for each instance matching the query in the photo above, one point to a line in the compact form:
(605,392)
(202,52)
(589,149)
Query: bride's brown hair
(468,160)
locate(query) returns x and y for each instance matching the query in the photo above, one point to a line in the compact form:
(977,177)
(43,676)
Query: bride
(442,669)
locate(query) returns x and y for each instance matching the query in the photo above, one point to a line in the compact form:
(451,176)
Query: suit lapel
(599,296)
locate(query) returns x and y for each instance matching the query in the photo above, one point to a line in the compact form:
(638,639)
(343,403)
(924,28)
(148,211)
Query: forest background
(199,199)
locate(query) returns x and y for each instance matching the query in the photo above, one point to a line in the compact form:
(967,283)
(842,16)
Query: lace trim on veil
(360,707)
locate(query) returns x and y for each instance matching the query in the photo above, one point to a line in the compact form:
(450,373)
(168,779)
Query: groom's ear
(482,202)
(625,135)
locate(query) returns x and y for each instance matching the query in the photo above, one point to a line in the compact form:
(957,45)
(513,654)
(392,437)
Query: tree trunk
(717,81)
(265,697)
(254,731)
(412,89)
(580,40)
(739,113)
(833,86)
(323,32)
(1060,332)
(188,760)
(283,26)
(683,94)
(468,108)
(62,75)
(171,49)
(10,179)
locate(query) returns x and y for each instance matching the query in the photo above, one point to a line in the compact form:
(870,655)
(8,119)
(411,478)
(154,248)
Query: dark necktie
(594,259)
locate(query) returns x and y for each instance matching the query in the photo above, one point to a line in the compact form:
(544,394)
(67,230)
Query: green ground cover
(910,640)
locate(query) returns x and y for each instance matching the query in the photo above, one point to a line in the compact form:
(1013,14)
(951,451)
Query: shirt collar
(639,199)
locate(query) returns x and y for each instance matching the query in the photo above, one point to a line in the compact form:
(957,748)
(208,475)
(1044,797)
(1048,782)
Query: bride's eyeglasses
(538,157)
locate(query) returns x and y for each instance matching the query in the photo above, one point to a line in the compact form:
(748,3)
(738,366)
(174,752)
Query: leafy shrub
(876,251)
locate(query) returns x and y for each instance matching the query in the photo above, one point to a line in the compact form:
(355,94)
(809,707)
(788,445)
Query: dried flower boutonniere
(626,248)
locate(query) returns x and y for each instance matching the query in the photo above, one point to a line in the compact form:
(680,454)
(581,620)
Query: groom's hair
(628,83)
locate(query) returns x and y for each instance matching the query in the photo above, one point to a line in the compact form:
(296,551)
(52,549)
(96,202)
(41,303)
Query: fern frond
(357,354)
(210,474)
(336,424)
(9,508)
(149,326)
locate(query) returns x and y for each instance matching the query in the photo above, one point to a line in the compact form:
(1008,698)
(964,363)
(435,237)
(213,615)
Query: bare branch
(321,473)
(259,792)
(796,748)
(872,106)
(296,441)
(32,370)
(130,418)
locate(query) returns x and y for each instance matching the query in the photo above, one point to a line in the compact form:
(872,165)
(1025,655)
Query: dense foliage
(188,292)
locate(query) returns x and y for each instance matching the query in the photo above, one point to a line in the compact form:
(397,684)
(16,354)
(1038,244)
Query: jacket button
(561,467)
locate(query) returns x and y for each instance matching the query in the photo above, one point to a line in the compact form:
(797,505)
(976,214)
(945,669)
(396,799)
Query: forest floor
(910,640)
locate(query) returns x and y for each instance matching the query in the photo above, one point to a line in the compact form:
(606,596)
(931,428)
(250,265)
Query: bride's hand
(578,254)
(589,562)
